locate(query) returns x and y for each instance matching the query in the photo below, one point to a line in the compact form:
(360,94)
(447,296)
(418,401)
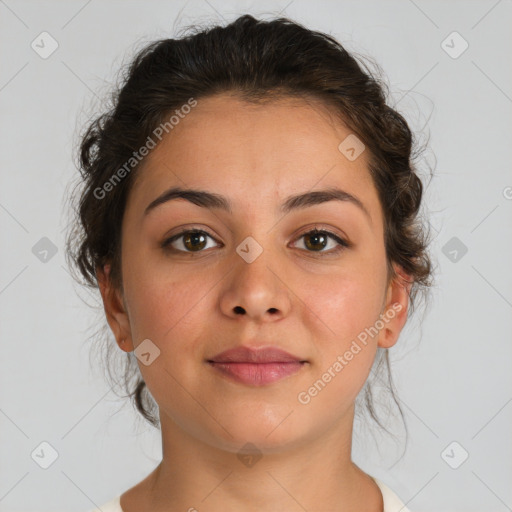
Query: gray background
(454,382)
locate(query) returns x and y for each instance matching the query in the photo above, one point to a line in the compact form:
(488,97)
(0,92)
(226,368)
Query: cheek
(159,295)
(343,359)
(161,306)
(348,302)
(170,313)
(349,306)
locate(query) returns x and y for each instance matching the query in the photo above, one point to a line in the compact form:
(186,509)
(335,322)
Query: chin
(260,436)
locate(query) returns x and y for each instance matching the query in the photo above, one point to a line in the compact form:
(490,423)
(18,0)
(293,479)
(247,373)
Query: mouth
(256,367)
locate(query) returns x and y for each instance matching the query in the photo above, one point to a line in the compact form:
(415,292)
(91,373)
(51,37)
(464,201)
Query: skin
(187,304)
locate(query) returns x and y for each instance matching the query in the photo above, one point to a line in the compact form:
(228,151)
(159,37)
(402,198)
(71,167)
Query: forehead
(255,153)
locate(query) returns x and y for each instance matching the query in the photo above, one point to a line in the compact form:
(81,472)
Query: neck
(317,475)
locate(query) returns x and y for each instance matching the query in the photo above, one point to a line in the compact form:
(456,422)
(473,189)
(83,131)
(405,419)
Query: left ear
(396,306)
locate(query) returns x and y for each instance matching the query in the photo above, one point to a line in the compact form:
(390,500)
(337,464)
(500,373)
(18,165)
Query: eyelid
(324,229)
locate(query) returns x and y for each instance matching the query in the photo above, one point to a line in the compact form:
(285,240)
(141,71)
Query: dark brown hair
(256,60)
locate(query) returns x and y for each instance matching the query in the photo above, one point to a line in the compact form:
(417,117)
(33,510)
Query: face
(255,274)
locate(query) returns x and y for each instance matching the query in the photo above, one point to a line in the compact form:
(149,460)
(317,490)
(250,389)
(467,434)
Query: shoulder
(114,505)
(392,503)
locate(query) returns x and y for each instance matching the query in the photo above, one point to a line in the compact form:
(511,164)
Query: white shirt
(392,502)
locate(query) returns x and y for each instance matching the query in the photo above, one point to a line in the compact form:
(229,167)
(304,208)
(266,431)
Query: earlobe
(115,311)
(395,311)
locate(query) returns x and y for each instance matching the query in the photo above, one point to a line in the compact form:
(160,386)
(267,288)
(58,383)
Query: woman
(249,214)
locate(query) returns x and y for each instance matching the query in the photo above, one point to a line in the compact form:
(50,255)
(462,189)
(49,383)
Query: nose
(256,290)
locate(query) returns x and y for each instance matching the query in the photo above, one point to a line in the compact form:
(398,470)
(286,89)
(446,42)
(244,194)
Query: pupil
(316,236)
(194,236)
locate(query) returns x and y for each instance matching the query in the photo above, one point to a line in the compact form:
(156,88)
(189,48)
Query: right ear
(115,310)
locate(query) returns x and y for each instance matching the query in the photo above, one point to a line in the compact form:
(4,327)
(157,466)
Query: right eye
(191,241)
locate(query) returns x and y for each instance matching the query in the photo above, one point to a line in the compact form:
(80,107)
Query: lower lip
(258,374)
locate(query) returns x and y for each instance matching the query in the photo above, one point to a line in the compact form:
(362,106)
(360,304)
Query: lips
(248,355)
(256,367)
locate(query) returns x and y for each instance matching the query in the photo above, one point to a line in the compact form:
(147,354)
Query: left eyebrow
(211,200)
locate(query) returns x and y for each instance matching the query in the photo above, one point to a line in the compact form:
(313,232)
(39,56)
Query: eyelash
(342,243)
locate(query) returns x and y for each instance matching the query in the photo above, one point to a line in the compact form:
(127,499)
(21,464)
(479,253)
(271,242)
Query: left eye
(317,240)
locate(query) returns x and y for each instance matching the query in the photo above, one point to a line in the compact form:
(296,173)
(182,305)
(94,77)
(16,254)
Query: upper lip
(244,354)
